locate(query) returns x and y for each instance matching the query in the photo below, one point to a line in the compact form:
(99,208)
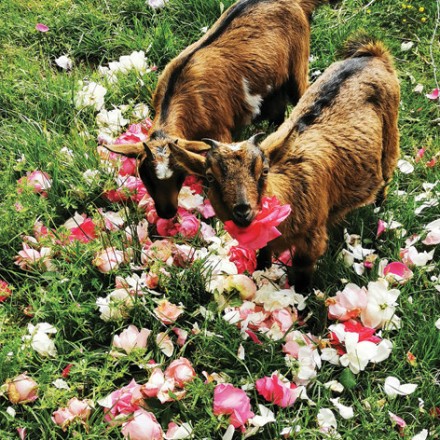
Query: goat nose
(242,211)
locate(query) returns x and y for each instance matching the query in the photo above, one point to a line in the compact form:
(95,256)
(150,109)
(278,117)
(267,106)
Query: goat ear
(194,146)
(129,150)
(193,163)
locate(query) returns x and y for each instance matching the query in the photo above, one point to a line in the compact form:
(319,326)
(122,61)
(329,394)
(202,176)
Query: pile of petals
(263,229)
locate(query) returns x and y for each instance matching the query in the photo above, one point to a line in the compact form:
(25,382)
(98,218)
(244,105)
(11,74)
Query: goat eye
(265,171)
(210,178)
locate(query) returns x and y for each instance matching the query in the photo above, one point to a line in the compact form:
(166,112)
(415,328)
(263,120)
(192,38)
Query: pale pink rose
(207,231)
(276,391)
(294,341)
(154,384)
(284,318)
(39,180)
(80,408)
(167,312)
(160,250)
(22,389)
(181,371)
(29,258)
(397,272)
(110,259)
(143,426)
(182,336)
(244,259)
(234,402)
(131,338)
(189,224)
(263,228)
(347,304)
(63,418)
(244,285)
(124,401)
(165,344)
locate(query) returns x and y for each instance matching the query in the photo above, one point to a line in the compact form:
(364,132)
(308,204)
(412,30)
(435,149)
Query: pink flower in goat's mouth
(263,227)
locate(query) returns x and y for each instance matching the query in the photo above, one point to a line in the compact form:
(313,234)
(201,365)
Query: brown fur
(268,46)
(340,161)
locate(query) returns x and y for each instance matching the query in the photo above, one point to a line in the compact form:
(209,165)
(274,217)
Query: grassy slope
(38,118)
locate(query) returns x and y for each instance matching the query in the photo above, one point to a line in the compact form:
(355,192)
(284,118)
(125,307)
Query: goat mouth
(243,222)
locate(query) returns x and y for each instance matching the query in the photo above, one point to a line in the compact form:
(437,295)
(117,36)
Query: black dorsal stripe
(329,91)
(233,12)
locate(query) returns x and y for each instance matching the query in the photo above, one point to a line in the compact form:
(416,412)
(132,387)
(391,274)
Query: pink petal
(381,227)
(397,420)
(434,95)
(41,27)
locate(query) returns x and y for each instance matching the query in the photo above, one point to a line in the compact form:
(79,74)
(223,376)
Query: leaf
(348,379)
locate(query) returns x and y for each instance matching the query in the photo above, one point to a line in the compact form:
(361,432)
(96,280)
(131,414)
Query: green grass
(38,118)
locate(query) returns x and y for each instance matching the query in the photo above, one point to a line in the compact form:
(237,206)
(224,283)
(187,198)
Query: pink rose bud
(181,371)
(143,426)
(22,389)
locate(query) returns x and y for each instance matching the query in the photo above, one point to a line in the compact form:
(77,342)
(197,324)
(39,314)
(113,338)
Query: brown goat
(336,152)
(251,63)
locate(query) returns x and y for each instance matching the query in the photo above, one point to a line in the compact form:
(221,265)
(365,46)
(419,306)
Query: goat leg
(264,258)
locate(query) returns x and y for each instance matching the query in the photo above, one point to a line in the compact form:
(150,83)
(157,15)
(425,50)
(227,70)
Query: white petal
(346,412)
(437,323)
(229,434)
(422,435)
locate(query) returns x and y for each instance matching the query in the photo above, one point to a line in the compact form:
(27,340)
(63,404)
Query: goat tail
(363,45)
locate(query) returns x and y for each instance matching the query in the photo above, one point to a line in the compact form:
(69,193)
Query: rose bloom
(29,258)
(131,338)
(124,401)
(21,389)
(181,371)
(167,312)
(143,426)
(5,291)
(80,408)
(109,259)
(276,391)
(63,418)
(347,304)
(189,224)
(39,180)
(244,259)
(232,401)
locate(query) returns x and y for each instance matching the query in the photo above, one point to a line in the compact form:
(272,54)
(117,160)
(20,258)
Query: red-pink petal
(41,27)
(434,95)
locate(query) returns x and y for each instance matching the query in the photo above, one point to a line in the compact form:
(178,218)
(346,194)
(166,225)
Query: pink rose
(110,259)
(397,272)
(167,312)
(181,371)
(147,204)
(143,426)
(347,304)
(195,183)
(234,402)
(206,209)
(128,167)
(39,180)
(263,228)
(29,258)
(276,391)
(245,259)
(21,389)
(84,232)
(167,228)
(124,401)
(63,418)
(80,408)
(131,338)
(189,224)
(154,384)
(182,336)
